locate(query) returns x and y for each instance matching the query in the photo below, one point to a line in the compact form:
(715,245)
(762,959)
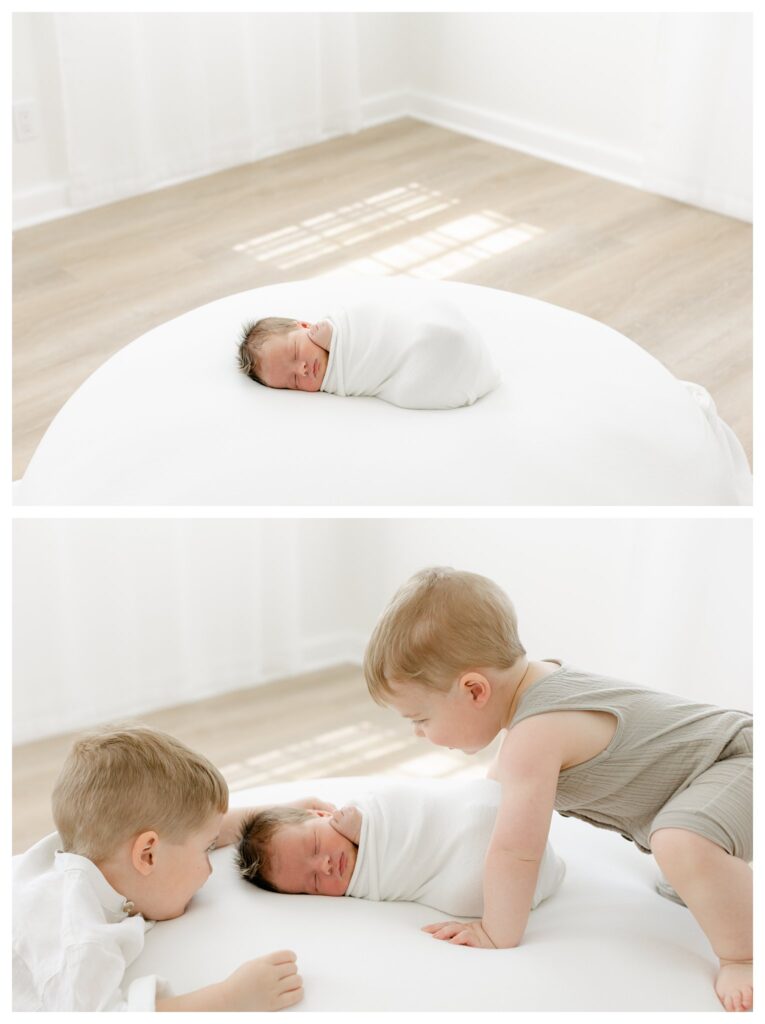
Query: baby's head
(146,810)
(285,849)
(441,627)
(282,353)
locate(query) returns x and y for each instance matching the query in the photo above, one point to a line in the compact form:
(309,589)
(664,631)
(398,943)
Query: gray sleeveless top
(661,744)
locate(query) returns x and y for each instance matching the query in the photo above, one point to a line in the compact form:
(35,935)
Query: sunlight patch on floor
(359,749)
(450,248)
(436,253)
(317,236)
(335,752)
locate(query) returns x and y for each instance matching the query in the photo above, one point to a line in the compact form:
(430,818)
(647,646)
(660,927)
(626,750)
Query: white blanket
(607,942)
(425,841)
(418,353)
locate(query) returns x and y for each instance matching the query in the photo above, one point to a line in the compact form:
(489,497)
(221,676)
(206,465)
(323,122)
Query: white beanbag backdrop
(582,416)
(605,941)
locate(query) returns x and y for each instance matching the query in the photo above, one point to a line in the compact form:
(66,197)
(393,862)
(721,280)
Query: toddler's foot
(734,986)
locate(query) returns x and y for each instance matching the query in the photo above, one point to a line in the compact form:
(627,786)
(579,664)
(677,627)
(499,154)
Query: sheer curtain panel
(150,99)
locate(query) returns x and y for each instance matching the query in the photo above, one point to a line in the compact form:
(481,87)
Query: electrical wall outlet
(25,120)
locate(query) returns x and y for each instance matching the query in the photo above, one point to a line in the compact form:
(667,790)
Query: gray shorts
(718,804)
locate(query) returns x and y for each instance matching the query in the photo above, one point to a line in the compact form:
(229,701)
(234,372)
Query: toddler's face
(312,858)
(296,359)
(446,718)
(180,870)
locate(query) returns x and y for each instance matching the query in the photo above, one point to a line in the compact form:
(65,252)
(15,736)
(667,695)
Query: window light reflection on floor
(438,252)
(359,749)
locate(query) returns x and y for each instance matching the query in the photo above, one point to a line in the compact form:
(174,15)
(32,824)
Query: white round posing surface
(582,416)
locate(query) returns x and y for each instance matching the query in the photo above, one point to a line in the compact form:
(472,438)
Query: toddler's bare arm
(347,821)
(527,767)
(528,771)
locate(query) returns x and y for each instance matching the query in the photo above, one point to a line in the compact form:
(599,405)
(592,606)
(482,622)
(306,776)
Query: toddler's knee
(666,843)
(686,849)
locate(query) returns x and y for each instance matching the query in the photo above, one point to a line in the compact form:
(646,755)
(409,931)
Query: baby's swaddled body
(418,354)
(425,841)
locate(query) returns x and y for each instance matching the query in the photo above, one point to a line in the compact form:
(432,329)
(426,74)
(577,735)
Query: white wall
(667,603)
(568,83)
(660,101)
(117,617)
(40,167)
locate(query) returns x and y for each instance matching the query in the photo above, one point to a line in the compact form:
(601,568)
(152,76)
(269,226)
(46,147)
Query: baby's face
(296,360)
(312,858)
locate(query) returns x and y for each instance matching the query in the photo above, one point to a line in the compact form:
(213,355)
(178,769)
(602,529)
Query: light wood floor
(405,197)
(311,726)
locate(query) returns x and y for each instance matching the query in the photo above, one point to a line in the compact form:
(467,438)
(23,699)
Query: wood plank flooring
(404,197)
(318,725)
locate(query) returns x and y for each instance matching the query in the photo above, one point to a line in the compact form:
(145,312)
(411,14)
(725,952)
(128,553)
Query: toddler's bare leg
(717,889)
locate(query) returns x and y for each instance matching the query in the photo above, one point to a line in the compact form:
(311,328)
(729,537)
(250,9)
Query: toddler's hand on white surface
(347,821)
(268,983)
(461,933)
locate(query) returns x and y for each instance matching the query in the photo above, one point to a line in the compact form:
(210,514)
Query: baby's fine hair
(253,335)
(117,782)
(253,854)
(441,623)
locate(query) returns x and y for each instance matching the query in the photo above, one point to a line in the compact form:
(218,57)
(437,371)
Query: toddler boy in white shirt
(137,814)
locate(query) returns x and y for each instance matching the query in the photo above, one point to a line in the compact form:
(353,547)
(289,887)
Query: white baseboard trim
(389,106)
(536,140)
(36,205)
(325,652)
(738,207)
(345,647)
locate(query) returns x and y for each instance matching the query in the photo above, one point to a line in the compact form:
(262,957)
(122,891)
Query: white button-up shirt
(73,937)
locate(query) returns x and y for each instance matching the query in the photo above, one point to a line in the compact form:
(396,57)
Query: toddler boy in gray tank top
(672,775)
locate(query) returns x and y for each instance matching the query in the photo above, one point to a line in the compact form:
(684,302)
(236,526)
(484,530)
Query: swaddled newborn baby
(418,354)
(409,841)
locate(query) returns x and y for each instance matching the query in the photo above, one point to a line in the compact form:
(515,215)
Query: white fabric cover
(582,416)
(425,841)
(419,353)
(606,941)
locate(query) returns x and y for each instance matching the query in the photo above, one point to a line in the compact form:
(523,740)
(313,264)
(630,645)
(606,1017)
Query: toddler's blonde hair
(117,782)
(441,623)
(253,336)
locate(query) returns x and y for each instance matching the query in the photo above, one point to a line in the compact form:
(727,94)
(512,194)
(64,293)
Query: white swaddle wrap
(414,352)
(426,841)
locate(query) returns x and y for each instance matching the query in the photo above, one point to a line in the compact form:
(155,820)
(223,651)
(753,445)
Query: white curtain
(153,98)
(117,617)
(698,112)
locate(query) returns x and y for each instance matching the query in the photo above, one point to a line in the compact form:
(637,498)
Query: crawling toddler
(671,774)
(417,354)
(422,841)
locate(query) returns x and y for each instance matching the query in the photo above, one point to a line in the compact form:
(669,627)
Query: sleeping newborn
(409,841)
(418,354)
